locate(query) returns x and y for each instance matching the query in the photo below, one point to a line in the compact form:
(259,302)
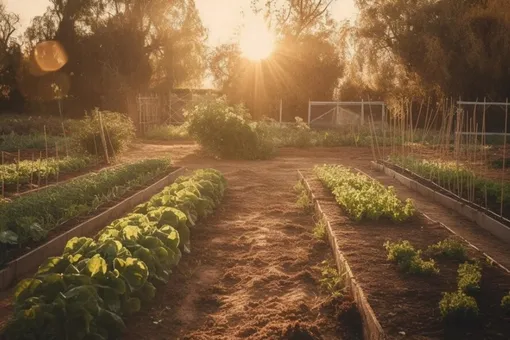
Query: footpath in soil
(253,272)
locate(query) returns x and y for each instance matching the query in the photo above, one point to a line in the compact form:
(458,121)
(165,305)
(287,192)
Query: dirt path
(253,272)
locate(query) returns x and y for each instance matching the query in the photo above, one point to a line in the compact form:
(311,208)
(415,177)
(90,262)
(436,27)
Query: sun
(256,41)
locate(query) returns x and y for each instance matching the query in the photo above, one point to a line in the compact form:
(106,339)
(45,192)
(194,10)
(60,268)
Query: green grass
(168,133)
(13,142)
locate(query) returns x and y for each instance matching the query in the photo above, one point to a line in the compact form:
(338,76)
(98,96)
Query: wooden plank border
(483,220)
(28,263)
(372,329)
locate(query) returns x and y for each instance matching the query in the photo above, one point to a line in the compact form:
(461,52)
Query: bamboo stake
(65,140)
(45,141)
(3,182)
(484,137)
(504,161)
(58,164)
(32,172)
(39,170)
(17,170)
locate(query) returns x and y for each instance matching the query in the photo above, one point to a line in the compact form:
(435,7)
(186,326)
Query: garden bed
(98,282)
(493,206)
(27,259)
(497,225)
(406,305)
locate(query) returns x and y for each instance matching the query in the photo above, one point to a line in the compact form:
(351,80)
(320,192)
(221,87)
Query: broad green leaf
(131,233)
(8,237)
(79,245)
(133,271)
(96,265)
(25,289)
(131,306)
(53,265)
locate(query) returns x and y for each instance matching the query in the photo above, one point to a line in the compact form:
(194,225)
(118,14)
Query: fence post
(362,113)
(309,112)
(281,110)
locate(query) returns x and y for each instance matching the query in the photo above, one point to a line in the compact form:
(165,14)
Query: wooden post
(103,139)
(46,141)
(309,112)
(504,159)
(281,110)
(56,157)
(65,140)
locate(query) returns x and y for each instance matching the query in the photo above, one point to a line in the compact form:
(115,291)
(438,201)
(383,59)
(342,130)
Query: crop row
(27,171)
(460,180)
(86,292)
(362,197)
(30,217)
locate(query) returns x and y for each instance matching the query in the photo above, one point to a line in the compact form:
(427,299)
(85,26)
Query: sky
(221,17)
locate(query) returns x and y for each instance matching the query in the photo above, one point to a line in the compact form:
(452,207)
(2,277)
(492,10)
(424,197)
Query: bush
(31,125)
(13,142)
(168,132)
(469,278)
(408,259)
(118,129)
(458,306)
(225,131)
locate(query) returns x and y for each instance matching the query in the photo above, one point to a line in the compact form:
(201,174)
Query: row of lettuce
(363,198)
(86,292)
(30,217)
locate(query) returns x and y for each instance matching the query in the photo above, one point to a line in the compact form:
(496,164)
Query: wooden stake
(504,161)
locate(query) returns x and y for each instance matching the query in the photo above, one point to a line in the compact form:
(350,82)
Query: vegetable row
(460,180)
(362,197)
(86,292)
(30,217)
(28,171)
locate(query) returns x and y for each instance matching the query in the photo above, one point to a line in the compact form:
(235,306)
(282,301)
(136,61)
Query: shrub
(118,129)
(169,132)
(449,248)
(469,277)
(505,303)
(225,131)
(408,259)
(31,125)
(458,306)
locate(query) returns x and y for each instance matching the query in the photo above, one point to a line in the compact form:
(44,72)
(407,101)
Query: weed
(319,231)
(331,281)
(304,202)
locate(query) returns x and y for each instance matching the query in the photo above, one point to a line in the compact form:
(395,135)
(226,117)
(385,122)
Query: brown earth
(407,306)
(253,270)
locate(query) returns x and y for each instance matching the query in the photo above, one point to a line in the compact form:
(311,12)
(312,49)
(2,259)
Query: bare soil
(253,272)
(407,306)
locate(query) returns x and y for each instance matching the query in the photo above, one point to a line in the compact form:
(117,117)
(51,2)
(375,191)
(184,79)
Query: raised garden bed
(86,292)
(486,219)
(407,305)
(442,175)
(28,219)
(28,175)
(26,260)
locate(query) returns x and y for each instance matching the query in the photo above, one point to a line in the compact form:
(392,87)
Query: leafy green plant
(119,131)
(331,281)
(85,293)
(505,303)
(319,230)
(169,132)
(451,176)
(361,197)
(12,142)
(469,276)
(409,259)
(450,248)
(458,306)
(32,125)
(226,131)
(30,217)
(25,171)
